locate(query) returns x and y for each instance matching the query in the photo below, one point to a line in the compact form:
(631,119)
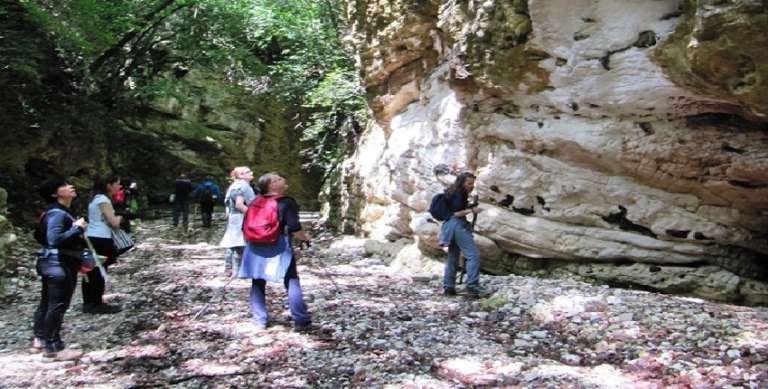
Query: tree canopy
(121,51)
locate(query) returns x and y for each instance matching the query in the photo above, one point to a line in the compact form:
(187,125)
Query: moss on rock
(491,38)
(719,51)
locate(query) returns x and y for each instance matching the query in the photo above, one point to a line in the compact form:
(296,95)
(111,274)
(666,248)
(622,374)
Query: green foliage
(129,50)
(337,106)
(493,303)
(157,88)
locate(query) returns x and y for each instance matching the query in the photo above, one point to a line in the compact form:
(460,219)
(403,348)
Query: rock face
(605,135)
(7,233)
(209,126)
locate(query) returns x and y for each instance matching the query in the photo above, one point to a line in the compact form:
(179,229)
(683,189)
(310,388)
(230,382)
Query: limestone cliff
(620,141)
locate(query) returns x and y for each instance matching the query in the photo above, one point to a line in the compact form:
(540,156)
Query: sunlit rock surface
(603,133)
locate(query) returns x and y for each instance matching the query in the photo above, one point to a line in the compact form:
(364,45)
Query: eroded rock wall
(606,134)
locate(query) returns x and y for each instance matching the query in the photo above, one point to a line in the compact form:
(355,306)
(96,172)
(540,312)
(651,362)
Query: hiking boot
(478,291)
(100,309)
(303,328)
(49,351)
(449,291)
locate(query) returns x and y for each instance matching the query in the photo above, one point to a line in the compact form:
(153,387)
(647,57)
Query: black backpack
(41,228)
(439,208)
(207,196)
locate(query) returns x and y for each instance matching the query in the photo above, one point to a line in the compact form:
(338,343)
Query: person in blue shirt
(456,234)
(207,194)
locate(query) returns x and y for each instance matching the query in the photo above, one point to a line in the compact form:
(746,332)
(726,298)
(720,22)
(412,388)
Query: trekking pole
(462,260)
(322,274)
(96,259)
(462,269)
(220,293)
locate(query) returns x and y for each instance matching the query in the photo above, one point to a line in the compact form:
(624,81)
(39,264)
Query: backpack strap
(44,223)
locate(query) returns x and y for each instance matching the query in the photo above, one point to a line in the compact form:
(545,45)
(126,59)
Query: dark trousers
(296,303)
(59,281)
(94,284)
(125,223)
(180,208)
(206,213)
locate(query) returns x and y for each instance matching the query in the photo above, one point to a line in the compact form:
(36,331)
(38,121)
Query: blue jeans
(233,260)
(59,281)
(296,303)
(462,242)
(180,208)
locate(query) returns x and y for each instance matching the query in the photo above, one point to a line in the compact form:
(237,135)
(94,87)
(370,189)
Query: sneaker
(449,291)
(99,309)
(49,351)
(259,326)
(37,343)
(478,291)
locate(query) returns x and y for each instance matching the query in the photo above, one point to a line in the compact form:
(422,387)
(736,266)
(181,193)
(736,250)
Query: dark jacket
(60,231)
(183,187)
(200,189)
(288,214)
(457,201)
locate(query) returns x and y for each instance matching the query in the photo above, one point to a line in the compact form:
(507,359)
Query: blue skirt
(267,262)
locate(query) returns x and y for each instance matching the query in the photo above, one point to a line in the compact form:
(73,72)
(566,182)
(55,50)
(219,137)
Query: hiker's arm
(301,235)
(292,220)
(56,233)
(465,212)
(240,204)
(109,215)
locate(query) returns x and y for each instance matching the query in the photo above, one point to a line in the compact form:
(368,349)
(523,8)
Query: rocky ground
(375,328)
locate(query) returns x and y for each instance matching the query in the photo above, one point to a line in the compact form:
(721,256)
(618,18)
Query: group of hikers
(206,194)
(260,224)
(72,245)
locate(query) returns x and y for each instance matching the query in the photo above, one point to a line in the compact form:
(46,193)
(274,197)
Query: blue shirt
(97,224)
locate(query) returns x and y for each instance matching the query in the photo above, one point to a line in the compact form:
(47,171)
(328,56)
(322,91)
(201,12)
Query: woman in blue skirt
(276,262)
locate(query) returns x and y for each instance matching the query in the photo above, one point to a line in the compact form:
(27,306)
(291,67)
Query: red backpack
(118,197)
(262,223)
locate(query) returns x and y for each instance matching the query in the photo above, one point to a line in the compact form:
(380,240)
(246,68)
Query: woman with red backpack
(270,222)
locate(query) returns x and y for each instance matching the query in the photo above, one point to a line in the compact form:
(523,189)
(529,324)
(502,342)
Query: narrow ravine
(377,328)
